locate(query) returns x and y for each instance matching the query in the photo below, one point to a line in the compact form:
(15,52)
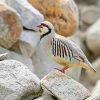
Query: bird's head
(45,28)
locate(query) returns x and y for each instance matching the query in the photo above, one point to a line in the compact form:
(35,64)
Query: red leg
(63,69)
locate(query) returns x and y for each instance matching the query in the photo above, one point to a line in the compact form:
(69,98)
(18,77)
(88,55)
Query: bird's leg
(63,69)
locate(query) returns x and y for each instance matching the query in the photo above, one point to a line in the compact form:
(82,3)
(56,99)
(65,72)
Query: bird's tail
(87,66)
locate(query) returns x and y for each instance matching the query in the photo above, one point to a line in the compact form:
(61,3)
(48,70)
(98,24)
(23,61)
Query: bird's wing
(76,52)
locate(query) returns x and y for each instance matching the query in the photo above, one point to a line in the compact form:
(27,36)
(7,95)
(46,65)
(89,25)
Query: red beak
(39,26)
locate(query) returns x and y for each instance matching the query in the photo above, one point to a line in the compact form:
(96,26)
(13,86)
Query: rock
(2,1)
(15,48)
(98,3)
(87,1)
(92,38)
(46,97)
(17,82)
(95,92)
(44,64)
(10,26)
(65,11)
(18,57)
(94,97)
(28,42)
(63,87)
(94,77)
(3,56)
(96,89)
(29,15)
(40,98)
(84,79)
(75,73)
(90,14)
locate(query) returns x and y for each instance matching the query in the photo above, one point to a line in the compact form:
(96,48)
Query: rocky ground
(26,73)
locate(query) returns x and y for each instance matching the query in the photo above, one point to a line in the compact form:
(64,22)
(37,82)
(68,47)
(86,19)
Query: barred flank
(59,48)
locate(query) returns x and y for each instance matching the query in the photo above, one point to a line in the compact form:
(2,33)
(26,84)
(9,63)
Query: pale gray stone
(94,97)
(63,87)
(93,38)
(17,82)
(96,88)
(28,42)
(48,97)
(2,1)
(40,98)
(45,97)
(10,26)
(29,15)
(90,14)
(94,77)
(15,56)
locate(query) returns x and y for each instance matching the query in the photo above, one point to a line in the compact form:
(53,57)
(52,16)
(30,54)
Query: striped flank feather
(62,50)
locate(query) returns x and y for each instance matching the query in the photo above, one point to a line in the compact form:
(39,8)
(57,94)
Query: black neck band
(45,34)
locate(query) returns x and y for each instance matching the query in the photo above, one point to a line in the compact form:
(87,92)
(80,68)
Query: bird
(61,49)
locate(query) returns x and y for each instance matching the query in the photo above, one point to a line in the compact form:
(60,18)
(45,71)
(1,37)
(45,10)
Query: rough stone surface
(28,42)
(62,13)
(29,15)
(46,97)
(17,82)
(90,14)
(18,57)
(10,26)
(94,97)
(63,87)
(44,64)
(40,98)
(93,38)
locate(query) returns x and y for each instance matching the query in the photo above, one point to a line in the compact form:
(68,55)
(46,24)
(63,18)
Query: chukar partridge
(62,50)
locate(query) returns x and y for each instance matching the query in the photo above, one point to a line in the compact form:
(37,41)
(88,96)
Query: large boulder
(28,42)
(10,26)
(17,82)
(63,87)
(30,17)
(93,38)
(18,57)
(62,13)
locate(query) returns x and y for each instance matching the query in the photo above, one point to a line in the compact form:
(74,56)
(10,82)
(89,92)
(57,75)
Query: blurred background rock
(18,37)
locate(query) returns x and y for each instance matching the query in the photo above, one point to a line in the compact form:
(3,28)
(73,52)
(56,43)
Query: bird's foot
(62,70)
